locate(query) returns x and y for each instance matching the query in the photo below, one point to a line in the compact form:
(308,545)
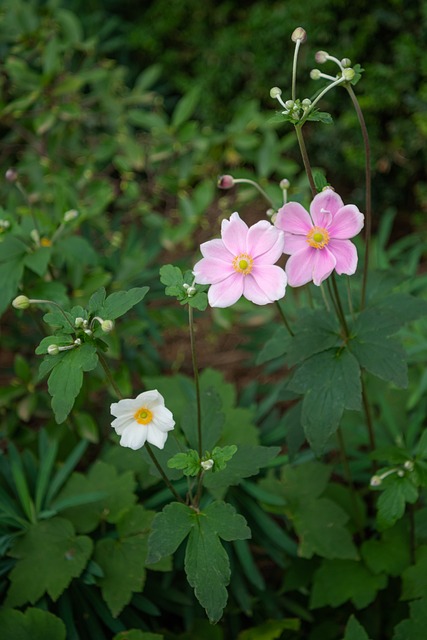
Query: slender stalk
(285,321)
(368,196)
(55,304)
(305,159)
(349,300)
(196,379)
(294,69)
(368,416)
(332,297)
(162,473)
(110,378)
(341,310)
(325,299)
(257,186)
(348,476)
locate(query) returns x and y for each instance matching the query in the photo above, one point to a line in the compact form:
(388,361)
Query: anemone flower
(241,263)
(143,419)
(318,242)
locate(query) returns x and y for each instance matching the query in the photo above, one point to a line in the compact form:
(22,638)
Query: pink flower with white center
(241,263)
(318,242)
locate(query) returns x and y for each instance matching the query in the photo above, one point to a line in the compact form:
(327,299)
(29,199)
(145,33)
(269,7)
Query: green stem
(256,185)
(108,373)
(55,304)
(285,321)
(294,69)
(305,159)
(196,379)
(368,197)
(348,476)
(340,308)
(368,416)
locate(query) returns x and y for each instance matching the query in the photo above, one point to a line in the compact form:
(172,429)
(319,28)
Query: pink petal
(293,218)
(233,233)
(265,284)
(211,270)
(347,223)
(216,249)
(294,243)
(323,265)
(345,254)
(264,241)
(326,200)
(227,292)
(309,264)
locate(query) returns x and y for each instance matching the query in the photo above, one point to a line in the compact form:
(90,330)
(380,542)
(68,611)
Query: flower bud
(408,465)
(225,182)
(345,62)
(299,34)
(88,332)
(77,342)
(400,473)
(315,74)
(191,291)
(70,215)
(306,103)
(290,104)
(107,326)
(207,464)
(11,175)
(275,92)
(21,302)
(284,184)
(4,224)
(375,481)
(78,322)
(348,74)
(53,349)
(321,57)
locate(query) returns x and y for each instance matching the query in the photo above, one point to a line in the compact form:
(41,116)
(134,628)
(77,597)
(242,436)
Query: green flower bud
(345,62)
(275,92)
(315,74)
(21,302)
(285,184)
(207,464)
(107,326)
(53,349)
(348,74)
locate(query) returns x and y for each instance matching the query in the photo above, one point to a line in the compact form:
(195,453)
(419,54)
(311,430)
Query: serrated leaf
(390,554)
(354,630)
(49,555)
(34,624)
(320,116)
(275,346)
(119,303)
(382,356)
(169,529)
(66,379)
(330,382)
(414,582)
(96,301)
(414,628)
(188,462)
(337,581)
(392,501)
(173,278)
(212,420)
(317,331)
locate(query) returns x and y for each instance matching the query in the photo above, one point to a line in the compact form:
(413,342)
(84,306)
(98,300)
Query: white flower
(144,419)
(207,464)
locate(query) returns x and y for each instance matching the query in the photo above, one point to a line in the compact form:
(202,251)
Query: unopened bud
(53,349)
(408,465)
(77,342)
(191,291)
(225,182)
(345,62)
(107,326)
(21,302)
(315,74)
(275,92)
(88,332)
(11,175)
(72,214)
(4,224)
(348,74)
(321,57)
(207,464)
(375,481)
(285,184)
(289,104)
(299,34)
(400,473)
(306,103)
(78,322)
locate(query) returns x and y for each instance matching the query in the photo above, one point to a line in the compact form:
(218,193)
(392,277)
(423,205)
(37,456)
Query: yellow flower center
(243,264)
(45,242)
(318,237)
(143,415)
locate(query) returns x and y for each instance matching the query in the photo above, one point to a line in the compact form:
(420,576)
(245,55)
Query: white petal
(156,437)
(134,436)
(120,423)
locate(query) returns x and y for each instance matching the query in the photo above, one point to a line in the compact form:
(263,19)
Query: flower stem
(339,305)
(196,379)
(368,416)
(348,476)
(305,159)
(257,186)
(294,68)
(109,375)
(285,321)
(368,197)
(55,304)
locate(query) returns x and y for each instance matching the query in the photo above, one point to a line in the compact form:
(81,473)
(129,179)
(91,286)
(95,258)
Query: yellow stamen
(45,242)
(143,415)
(318,237)
(243,264)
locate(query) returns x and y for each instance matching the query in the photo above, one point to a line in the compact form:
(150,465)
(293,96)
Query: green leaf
(212,419)
(34,624)
(169,529)
(38,260)
(337,581)
(172,277)
(20,481)
(96,301)
(270,630)
(185,107)
(122,560)
(66,379)
(414,628)
(222,455)
(206,561)
(119,303)
(354,630)
(391,503)
(320,116)
(136,634)
(390,554)
(414,583)
(330,382)
(317,331)
(49,555)
(275,346)
(188,462)
(383,357)
(117,491)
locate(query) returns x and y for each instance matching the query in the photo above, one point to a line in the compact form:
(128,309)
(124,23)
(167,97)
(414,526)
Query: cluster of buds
(295,109)
(407,466)
(346,72)
(54,349)
(106,325)
(190,289)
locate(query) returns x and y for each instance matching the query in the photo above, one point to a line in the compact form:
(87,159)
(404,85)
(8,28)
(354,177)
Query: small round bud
(88,332)
(400,473)
(78,322)
(11,175)
(225,182)
(207,464)
(191,291)
(53,349)
(275,92)
(321,57)
(375,481)
(77,342)
(290,104)
(315,74)
(299,34)
(345,62)
(72,214)
(107,326)
(285,184)
(35,236)
(21,302)
(4,224)
(270,212)
(348,74)
(408,465)
(306,103)
(185,286)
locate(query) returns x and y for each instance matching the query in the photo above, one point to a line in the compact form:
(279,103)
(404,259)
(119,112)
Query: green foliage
(181,286)
(414,627)
(34,624)
(354,630)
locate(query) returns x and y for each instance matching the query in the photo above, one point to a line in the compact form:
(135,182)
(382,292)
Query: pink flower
(319,242)
(242,263)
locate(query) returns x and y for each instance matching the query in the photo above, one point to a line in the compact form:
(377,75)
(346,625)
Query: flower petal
(211,270)
(323,265)
(293,218)
(294,243)
(120,423)
(346,256)
(265,284)
(326,200)
(156,437)
(124,406)
(227,292)
(299,267)
(163,419)
(150,399)
(134,436)
(233,234)
(347,223)
(216,249)
(265,242)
